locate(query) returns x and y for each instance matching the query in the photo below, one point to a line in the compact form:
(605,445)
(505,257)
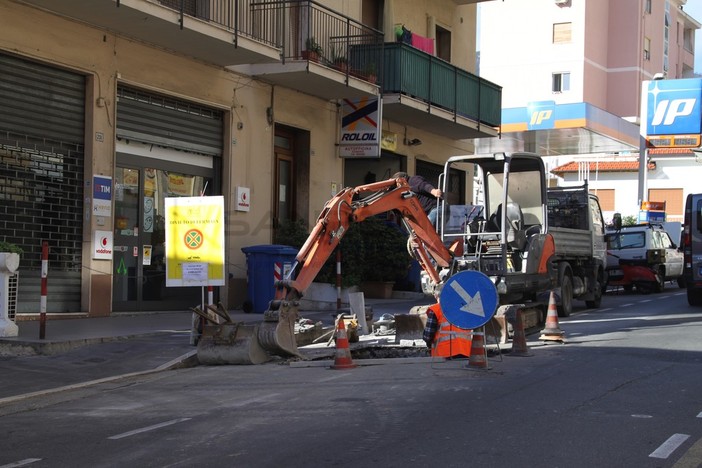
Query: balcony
(324,53)
(222,32)
(426,92)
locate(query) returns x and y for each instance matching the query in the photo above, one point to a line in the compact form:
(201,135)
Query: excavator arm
(343,210)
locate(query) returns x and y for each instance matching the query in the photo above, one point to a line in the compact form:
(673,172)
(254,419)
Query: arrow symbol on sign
(471,302)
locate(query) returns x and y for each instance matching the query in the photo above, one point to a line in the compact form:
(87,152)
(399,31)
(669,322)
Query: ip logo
(673,107)
(541,115)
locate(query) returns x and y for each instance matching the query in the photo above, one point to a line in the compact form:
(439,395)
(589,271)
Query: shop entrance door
(139,263)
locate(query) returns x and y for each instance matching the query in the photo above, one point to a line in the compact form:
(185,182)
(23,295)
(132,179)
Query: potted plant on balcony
(370,73)
(339,61)
(312,50)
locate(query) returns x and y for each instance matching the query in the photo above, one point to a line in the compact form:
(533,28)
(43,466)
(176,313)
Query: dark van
(692,248)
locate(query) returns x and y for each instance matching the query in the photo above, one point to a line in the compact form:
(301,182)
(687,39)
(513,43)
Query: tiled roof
(602,166)
(685,151)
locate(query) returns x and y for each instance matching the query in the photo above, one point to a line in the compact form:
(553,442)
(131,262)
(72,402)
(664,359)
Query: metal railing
(410,71)
(307,30)
(301,29)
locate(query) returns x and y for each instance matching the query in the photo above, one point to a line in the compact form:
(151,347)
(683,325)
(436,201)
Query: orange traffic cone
(519,345)
(342,358)
(552,332)
(478,353)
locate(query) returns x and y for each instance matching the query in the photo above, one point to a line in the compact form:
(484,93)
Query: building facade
(109,107)
(572,89)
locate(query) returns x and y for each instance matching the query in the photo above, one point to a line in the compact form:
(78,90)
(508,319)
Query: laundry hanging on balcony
(402,34)
(425,44)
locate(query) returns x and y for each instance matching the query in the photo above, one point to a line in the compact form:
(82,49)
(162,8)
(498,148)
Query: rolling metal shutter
(42,114)
(169,122)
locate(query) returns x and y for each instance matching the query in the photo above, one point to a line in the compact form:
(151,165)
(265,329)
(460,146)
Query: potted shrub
(339,60)
(312,50)
(9,247)
(370,73)
(385,256)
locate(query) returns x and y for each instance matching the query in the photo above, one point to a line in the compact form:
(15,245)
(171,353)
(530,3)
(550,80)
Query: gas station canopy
(551,129)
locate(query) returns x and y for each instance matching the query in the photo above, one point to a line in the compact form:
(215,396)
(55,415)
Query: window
(560,82)
(673,198)
(606,197)
(562,33)
(647,49)
(648,6)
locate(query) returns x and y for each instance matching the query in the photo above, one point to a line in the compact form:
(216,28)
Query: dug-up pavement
(78,352)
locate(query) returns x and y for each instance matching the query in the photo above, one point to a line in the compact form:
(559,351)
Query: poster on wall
(360,128)
(195,241)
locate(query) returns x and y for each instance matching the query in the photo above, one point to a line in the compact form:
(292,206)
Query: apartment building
(110,107)
(572,73)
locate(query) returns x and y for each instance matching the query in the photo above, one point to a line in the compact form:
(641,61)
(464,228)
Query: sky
(694,9)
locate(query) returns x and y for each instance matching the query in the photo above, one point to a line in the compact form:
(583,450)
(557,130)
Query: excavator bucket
(277,332)
(231,343)
(410,326)
(241,343)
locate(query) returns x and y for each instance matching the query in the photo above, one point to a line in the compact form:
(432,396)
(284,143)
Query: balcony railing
(302,29)
(415,73)
(242,17)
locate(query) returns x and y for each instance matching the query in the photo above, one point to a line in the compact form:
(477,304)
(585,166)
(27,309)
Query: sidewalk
(79,351)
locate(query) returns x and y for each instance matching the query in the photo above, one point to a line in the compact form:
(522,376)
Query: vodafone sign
(102,245)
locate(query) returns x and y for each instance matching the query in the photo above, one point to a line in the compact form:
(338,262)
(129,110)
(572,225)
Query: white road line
(26,461)
(605,310)
(627,305)
(669,446)
(645,300)
(334,377)
(149,428)
(699,415)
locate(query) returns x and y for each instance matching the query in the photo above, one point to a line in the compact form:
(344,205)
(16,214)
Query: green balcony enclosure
(412,72)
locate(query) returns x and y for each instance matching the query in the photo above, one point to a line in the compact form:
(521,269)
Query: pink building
(571,72)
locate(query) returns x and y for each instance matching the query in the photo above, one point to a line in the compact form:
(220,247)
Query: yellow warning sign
(195,241)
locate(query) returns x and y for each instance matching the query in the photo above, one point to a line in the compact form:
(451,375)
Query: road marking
(627,305)
(605,310)
(691,458)
(645,300)
(334,377)
(26,461)
(147,429)
(669,446)
(699,415)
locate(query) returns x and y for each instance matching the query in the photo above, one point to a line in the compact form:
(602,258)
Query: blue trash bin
(264,265)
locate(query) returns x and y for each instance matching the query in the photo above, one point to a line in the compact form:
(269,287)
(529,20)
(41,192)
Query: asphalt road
(623,391)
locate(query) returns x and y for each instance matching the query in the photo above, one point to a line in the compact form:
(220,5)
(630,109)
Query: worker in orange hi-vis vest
(444,339)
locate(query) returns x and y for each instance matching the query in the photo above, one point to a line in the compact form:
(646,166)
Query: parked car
(644,256)
(692,248)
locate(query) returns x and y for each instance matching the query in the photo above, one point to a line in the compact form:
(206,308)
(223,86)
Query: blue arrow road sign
(468,299)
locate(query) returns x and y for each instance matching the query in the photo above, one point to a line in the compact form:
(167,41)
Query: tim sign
(671,107)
